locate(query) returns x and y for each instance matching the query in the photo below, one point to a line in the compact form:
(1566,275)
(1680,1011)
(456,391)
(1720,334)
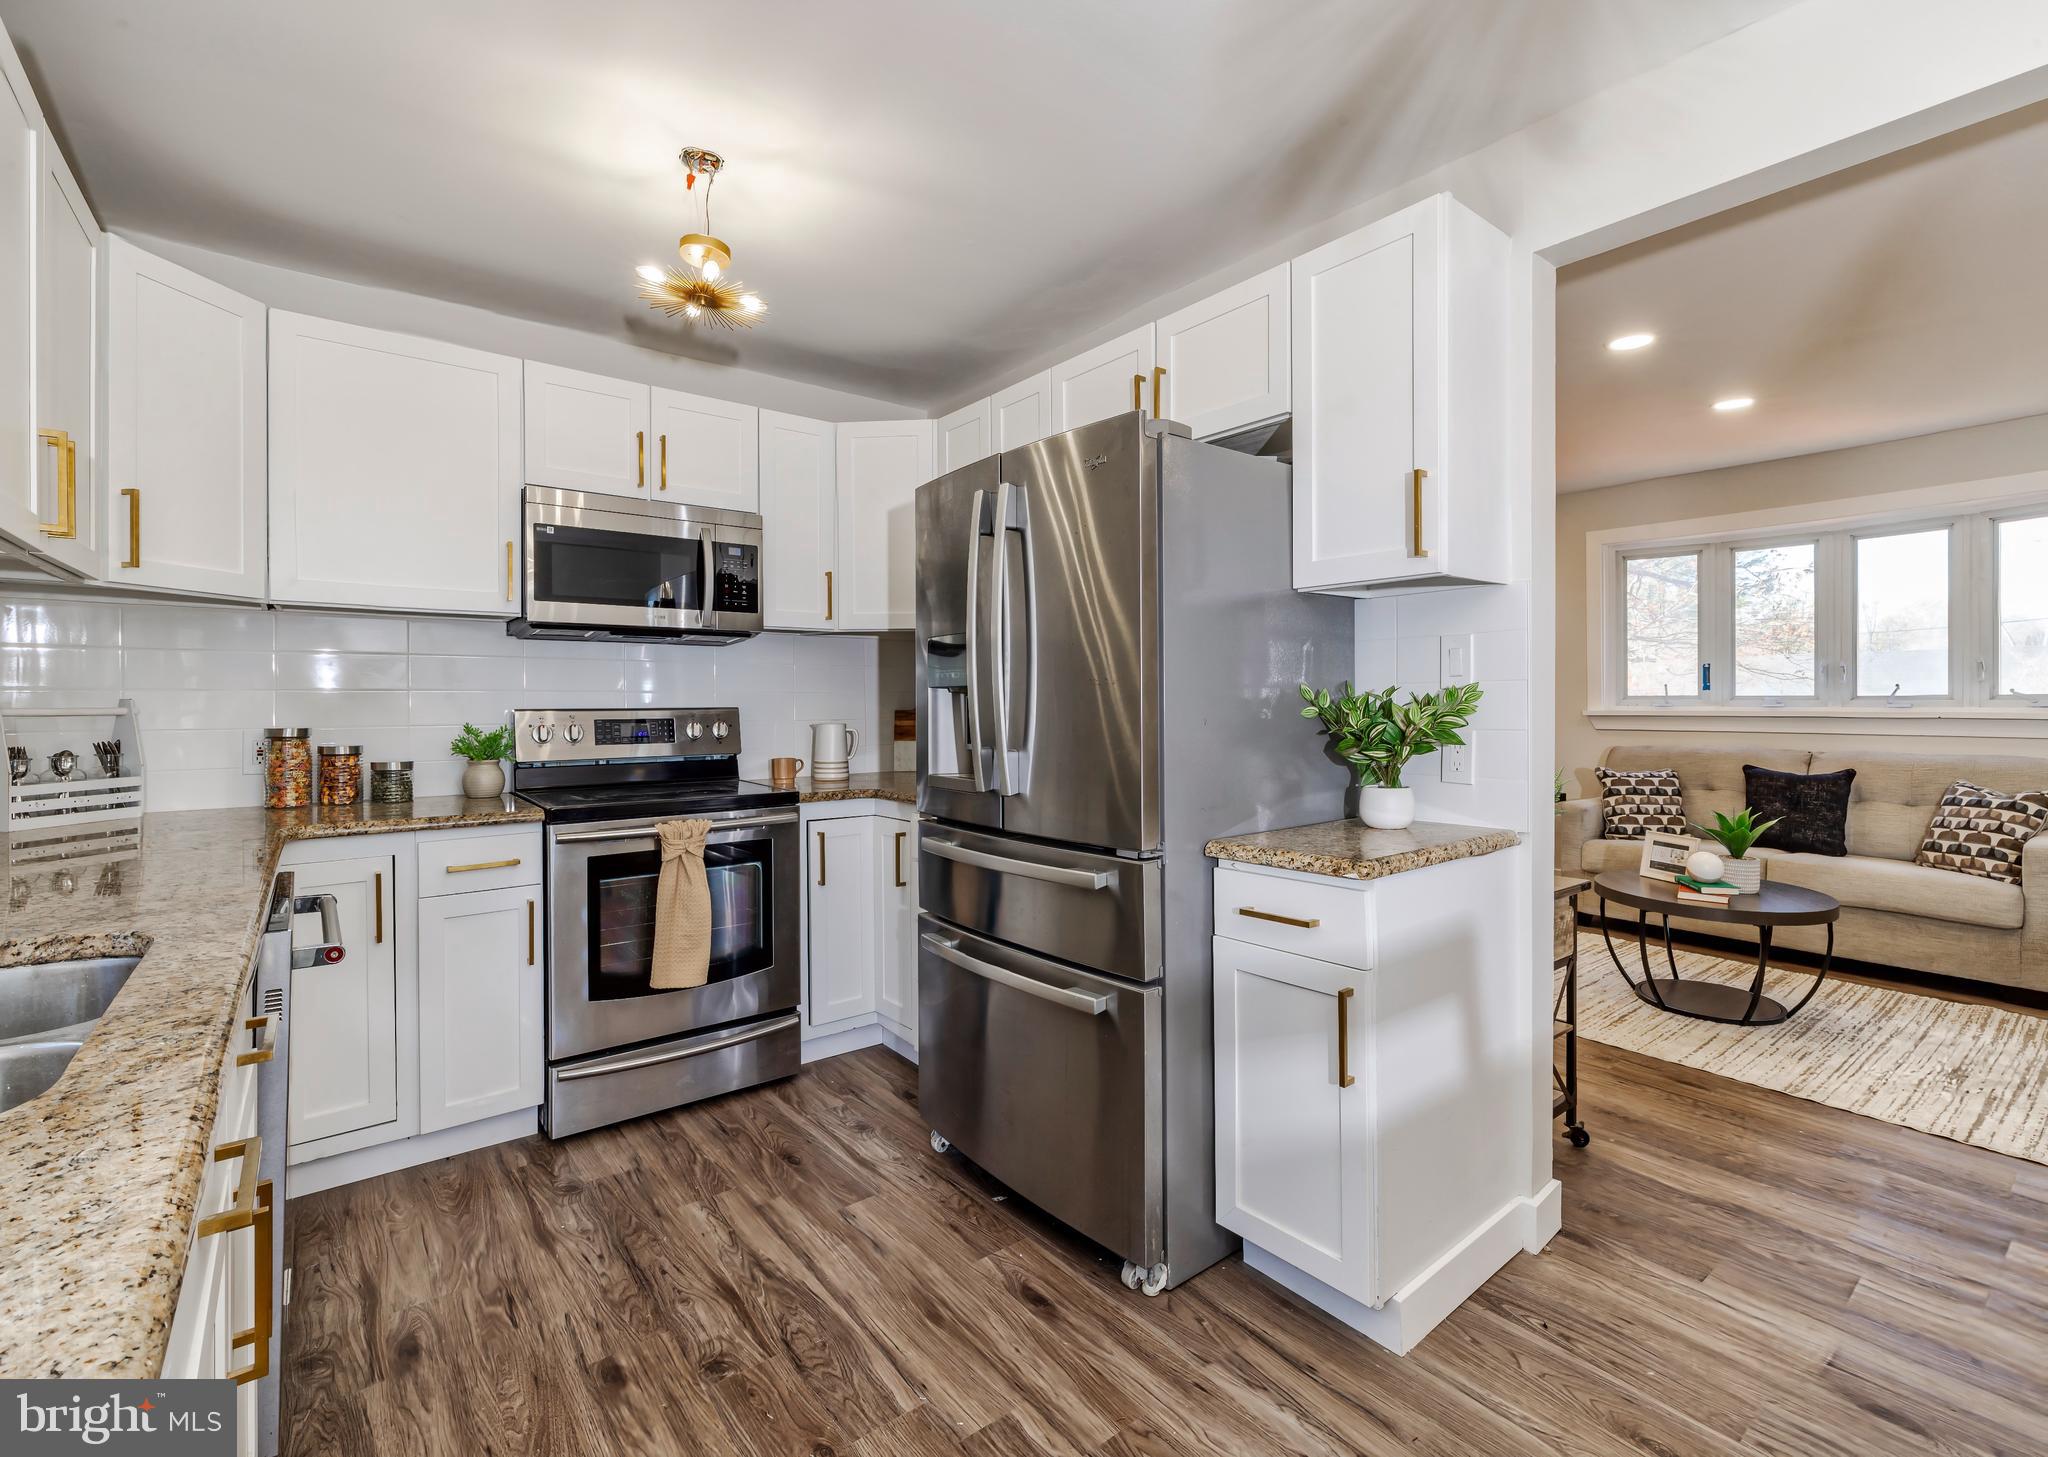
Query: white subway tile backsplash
(165,749)
(1503,704)
(339,672)
(1418,660)
(86,668)
(354,710)
(575,675)
(1503,654)
(67,624)
(162,667)
(164,625)
(202,708)
(480,707)
(1375,663)
(447,673)
(455,635)
(339,632)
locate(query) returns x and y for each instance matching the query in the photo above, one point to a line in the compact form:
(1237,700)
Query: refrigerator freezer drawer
(1098,911)
(1050,1079)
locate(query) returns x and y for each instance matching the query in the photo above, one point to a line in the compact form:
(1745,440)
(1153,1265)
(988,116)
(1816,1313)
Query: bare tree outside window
(1661,626)
(1774,633)
(1902,613)
(2023,606)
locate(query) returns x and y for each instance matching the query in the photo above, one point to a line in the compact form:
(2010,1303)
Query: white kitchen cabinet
(344,1050)
(799,520)
(1107,380)
(1224,361)
(586,432)
(21,128)
(394,470)
(706,451)
(67,365)
(843,903)
(895,860)
(1399,345)
(963,437)
(881,464)
(481,1005)
(187,466)
(1020,414)
(217,1295)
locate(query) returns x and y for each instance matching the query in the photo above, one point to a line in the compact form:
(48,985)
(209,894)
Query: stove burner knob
(719,730)
(542,733)
(574,732)
(693,731)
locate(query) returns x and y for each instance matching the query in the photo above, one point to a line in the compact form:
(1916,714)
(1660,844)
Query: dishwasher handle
(330,950)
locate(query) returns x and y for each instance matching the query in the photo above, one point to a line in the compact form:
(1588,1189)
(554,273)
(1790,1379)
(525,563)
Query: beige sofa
(1894,913)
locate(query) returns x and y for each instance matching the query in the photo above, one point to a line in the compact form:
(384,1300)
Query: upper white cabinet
(1020,414)
(394,470)
(706,451)
(586,432)
(186,467)
(881,465)
(1400,338)
(963,438)
(1224,362)
(799,520)
(21,124)
(1107,380)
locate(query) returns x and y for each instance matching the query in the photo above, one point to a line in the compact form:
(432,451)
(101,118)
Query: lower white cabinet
(843,908)
(481,998)
(344,1058)
(896,925)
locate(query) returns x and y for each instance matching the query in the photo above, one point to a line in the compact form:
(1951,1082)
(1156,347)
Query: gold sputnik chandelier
(700,290)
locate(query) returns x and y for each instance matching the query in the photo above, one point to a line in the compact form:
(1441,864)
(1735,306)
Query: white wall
(208,679)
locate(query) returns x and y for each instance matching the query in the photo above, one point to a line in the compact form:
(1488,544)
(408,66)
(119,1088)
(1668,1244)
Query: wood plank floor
(791,1270)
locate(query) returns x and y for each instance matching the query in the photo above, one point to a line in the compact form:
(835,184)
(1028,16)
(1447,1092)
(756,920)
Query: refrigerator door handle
(1013,766)
(1005,865)
(1089,1002)
(974,655)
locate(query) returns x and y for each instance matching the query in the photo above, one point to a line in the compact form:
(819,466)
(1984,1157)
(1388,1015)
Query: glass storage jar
(287,768)
(341,773)
(391,781)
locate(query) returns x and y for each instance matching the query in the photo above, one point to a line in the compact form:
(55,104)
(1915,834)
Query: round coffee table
(1772,906)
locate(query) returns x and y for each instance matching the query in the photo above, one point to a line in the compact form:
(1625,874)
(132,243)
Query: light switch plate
(1457,659)
(1455,763)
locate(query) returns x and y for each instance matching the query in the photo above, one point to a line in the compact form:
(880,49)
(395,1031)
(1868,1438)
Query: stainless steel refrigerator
(1108,648)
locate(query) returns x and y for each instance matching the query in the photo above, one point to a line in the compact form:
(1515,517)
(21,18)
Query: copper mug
(782,773)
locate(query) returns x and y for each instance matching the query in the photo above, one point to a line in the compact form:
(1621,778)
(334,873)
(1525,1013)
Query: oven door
(601,884)
(605,562)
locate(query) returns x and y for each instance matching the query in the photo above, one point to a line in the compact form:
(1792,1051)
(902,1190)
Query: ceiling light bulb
(694,255)
(750,303)
(650,272)
(711,270)
(691,310)
(1627,342)
(1734,402)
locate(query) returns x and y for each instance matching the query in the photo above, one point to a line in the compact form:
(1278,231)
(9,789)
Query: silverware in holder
(108,751)
(64,763)
(17,763)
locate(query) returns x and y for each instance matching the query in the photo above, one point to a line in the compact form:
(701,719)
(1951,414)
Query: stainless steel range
(617,1046)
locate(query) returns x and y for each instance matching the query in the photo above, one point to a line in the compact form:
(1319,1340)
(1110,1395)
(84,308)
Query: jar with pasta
(287,768)
(341,773)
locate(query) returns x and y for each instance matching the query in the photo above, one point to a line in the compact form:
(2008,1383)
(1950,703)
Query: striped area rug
(1975,1074)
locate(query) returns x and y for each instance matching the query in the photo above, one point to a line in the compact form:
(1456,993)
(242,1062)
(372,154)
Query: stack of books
(1706,892)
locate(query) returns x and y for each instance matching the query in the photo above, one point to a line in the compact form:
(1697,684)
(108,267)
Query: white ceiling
(1898,298)
(925,191)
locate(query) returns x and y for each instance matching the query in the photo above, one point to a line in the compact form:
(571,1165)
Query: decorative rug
(1975,1074)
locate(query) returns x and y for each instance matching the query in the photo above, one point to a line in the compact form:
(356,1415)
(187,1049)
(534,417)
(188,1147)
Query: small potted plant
(1377,736)
(484,778)
(1736,836)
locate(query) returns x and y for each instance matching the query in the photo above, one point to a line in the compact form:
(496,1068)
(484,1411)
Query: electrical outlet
(252,751)
(1457,658)
(1455,762)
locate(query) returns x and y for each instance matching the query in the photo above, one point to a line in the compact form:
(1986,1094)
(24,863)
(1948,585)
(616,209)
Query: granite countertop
(99,1176)
(898,785)
(1348,848)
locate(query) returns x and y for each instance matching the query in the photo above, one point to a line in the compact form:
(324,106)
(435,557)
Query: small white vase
(483,779)
(1745,874)
(1386,809)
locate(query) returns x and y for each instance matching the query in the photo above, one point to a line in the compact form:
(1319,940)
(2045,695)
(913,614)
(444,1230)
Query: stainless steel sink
(46,1013)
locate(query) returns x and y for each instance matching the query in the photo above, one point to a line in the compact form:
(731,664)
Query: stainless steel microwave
(610,568)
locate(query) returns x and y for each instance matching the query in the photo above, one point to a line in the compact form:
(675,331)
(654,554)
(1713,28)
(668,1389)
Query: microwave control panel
(736,577)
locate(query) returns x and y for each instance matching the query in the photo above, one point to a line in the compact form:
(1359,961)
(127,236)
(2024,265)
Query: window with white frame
(1947,611)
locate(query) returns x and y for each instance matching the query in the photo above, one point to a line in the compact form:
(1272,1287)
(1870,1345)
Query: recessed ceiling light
(1631,341)
(1735,402)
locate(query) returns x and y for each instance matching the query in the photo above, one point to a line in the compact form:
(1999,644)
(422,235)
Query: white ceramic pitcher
(832,745)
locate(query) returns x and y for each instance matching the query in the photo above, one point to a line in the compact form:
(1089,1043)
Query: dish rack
(73,802)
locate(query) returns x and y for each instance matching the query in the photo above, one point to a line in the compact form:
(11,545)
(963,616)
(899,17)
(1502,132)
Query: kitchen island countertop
(1351,850)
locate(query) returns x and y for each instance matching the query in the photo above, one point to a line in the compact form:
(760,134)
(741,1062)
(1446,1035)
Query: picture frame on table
(1664,855)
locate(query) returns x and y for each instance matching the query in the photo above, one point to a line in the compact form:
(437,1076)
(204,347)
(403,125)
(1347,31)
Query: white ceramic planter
(1386,809)
(483,779)
(1746,874)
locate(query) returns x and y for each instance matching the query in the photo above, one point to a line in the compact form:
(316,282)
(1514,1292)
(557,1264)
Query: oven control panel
(588,735)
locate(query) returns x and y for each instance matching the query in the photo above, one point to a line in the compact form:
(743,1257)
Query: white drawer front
(479,862)
(1330,921)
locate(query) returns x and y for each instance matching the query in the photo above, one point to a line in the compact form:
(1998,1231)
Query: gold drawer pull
(484,865)
(900,881)
(1275,916)
(66,526)
(134,527)
(529,933)
(257,1337)
(1344,1078)
(266,1044)
(242,1212)
(821,857)
(379,897)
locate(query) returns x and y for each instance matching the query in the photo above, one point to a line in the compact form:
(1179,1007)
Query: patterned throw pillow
(1811,810)
(1637,802)
(1982,832)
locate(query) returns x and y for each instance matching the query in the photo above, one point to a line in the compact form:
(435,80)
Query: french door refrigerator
(1108,648)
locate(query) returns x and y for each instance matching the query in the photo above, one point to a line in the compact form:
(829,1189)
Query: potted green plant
(1736,836)
(1377,736)
(486,749)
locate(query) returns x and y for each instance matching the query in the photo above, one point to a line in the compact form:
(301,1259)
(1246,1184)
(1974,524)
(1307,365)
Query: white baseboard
(876,1032)
(1420,1305)
(404,1153)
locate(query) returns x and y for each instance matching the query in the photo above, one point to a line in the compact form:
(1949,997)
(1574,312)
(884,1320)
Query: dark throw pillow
(1811,810)
(1638,802)
(1982,832)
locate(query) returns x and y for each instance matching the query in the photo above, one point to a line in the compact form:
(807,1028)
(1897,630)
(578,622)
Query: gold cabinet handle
(484,865)
(134,526)
(529,933)
(821,857)
(1344,1078)
(1416,477)
(510,573)
(266,1042)
(664,460)
(1276,917)
(257,1336)
(900,881)
(640,438)
(379,896)
(240,1213)
(1138,392)
(66,525)
(828,596)
(1158,377)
